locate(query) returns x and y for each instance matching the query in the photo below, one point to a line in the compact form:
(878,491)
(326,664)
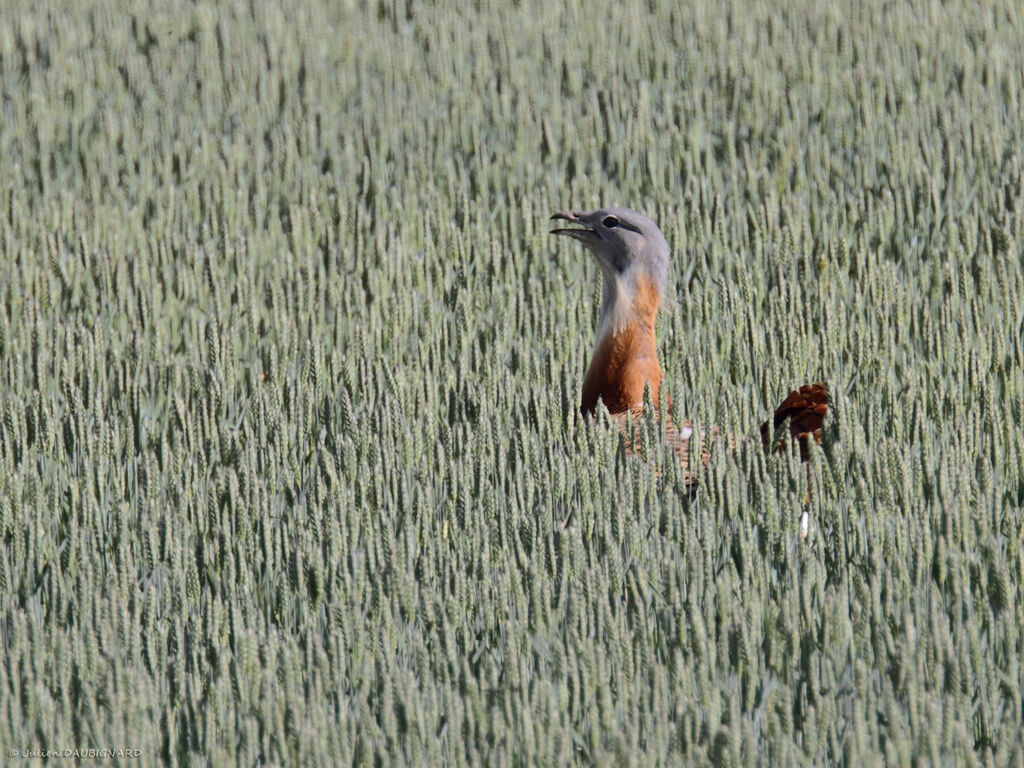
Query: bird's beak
(585,235)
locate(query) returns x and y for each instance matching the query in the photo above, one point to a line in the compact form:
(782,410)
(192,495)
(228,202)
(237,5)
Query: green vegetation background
(288,364)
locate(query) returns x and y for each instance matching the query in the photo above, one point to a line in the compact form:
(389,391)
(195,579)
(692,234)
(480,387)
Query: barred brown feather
(805,410)
(634,256)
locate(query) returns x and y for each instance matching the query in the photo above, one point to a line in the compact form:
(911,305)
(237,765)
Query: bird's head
(628,246)
(633,257)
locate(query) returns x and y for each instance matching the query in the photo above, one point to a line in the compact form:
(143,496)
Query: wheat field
(290,471)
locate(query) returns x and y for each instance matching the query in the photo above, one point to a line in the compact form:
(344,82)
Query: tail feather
(805,409)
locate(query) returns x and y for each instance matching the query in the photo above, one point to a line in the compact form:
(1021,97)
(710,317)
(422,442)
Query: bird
(633,257)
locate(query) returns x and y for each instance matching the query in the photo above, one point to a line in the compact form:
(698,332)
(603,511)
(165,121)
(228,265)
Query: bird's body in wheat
(633,256)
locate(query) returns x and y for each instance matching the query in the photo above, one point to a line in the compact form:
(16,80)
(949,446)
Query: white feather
(618,312)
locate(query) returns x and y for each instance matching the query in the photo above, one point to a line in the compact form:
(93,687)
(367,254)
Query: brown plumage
(805,409)
(633,257)
(627,361)
(677,437)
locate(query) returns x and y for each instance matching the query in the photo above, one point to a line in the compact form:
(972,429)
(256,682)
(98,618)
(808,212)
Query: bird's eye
(610,222)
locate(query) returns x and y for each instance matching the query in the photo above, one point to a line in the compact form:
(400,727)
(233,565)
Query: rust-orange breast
(626,361)
(622,366)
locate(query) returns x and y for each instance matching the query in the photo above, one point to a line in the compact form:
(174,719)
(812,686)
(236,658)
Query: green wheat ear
(288,363)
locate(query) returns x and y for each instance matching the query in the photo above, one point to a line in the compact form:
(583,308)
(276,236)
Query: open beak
(585,234)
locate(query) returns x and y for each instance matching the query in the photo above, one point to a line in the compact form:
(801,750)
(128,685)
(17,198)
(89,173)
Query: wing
(677,437)
(805,409)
